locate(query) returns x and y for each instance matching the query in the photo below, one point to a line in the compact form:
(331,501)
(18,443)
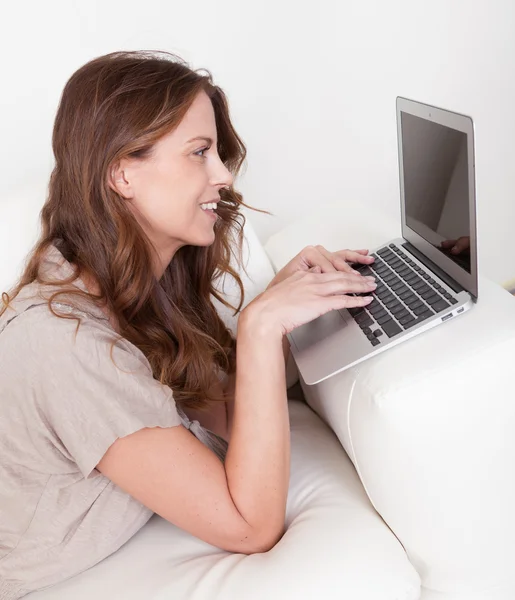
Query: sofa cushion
(335,546)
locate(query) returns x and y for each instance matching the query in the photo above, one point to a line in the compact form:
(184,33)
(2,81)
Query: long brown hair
(118,106)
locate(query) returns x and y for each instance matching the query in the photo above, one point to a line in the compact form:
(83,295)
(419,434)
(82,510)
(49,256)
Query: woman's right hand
(304,296)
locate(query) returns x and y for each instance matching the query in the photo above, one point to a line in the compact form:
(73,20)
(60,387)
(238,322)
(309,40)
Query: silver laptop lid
(437,185)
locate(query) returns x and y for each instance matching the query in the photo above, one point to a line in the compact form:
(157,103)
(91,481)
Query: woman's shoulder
(80,386)
(58,290)
(36,336)
(74,353)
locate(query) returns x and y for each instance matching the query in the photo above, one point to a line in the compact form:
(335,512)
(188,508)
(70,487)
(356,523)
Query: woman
(114,311)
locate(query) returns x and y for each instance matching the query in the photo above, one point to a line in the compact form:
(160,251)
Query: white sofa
(433,457)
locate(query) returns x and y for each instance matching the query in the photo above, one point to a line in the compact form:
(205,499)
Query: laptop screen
(436,186)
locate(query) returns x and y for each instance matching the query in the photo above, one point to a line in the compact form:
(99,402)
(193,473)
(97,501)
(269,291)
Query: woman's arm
(229,388)
(238,506)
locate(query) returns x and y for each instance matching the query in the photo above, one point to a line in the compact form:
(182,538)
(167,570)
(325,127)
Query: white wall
(312,88)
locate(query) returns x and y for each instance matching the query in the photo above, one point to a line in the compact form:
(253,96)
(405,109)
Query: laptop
(424,279)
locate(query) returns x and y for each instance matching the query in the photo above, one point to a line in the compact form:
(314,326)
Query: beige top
(63,402)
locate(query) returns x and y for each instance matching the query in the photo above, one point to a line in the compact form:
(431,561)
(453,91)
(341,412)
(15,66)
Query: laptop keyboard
(405,295)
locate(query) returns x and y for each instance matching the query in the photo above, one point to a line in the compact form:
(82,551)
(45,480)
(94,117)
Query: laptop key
(381,313)
(366,272)
(374,307)
(403,313)
(453,300)
(428,294)
(378,332)
(406,320)
(378,310)
(440,305)
(396,309)
(433,299)
(419,319)
(423,288)
(358,266)
(375,342)
(387,297)
(420,310)
(383,296)
(363,320)
(410,299)
(381,320)
(391,328)
(366,323)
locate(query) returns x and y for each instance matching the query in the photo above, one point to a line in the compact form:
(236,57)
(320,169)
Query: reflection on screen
(436,187)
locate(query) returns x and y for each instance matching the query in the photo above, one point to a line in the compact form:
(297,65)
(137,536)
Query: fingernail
(370,278)
(355,272)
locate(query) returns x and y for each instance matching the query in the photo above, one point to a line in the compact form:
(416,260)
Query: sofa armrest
(429,427)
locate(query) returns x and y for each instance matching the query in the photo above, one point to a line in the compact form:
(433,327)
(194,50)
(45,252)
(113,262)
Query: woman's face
(169,190)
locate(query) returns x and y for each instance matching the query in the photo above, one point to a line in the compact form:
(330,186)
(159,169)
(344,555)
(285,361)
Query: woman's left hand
(318,256)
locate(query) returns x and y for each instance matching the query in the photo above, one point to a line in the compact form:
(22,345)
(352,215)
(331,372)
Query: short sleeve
(93,392)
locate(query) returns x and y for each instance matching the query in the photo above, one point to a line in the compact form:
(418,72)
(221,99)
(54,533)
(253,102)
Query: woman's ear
(119,180)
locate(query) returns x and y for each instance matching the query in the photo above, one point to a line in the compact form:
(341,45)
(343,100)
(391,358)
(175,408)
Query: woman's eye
(201,152)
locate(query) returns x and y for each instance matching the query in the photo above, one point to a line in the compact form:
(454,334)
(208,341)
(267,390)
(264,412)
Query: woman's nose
(222,176)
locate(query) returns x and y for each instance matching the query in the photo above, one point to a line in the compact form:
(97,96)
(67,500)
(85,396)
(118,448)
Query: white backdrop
(312,88)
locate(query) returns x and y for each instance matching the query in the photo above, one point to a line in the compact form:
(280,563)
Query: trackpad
(311,333)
